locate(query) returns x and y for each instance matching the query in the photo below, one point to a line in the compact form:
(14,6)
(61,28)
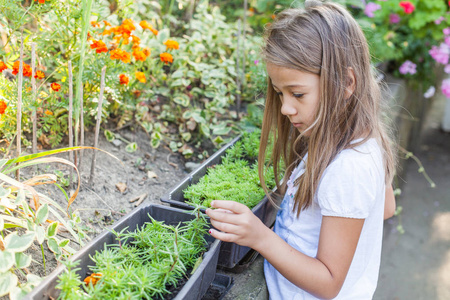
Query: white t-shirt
(352,186)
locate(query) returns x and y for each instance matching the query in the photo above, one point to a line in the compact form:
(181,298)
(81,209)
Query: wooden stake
(69,123)
(244,24)
(97,127)
(33,86)
(81,125)
(19,106)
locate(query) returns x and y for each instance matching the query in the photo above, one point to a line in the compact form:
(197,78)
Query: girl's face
(299,95)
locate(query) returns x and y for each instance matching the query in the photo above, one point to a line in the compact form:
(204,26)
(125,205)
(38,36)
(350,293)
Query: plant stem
(43,258)
(33,84)
(70,118)
(19,106)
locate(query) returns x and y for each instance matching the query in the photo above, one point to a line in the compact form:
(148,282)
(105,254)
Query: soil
(101,203)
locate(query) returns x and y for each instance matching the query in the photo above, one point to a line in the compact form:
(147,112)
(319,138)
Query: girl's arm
(389,203)
(322,276)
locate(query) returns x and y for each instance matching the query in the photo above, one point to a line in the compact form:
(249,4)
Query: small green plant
(236,178)
(145,264)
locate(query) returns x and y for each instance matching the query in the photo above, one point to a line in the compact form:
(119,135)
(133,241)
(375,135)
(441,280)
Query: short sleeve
(349,185)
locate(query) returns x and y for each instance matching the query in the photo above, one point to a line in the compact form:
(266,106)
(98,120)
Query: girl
(323,109)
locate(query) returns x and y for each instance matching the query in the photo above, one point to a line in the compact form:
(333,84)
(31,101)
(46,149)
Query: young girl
(323,109)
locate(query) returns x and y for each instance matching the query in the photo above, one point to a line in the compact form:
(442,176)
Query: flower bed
(194,288)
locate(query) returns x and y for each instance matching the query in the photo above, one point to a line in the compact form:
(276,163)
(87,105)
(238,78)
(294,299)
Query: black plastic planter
(230,254)
(193,289)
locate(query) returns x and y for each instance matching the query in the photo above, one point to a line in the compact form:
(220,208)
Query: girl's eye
(297,95)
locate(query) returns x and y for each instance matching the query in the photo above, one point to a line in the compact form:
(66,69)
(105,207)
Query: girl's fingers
(223,236)
(225,226)
(233,206)
(222,215)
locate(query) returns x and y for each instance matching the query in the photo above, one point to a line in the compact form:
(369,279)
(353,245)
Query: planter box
(230,253)
(194,288)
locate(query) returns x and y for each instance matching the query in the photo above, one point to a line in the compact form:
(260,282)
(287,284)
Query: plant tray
(230,253)
(219,287)
(193,289)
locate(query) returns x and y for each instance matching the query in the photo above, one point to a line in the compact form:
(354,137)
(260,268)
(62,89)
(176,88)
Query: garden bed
(194,288)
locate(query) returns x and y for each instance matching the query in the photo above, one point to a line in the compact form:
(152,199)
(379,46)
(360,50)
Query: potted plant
(146,273)
(230,174)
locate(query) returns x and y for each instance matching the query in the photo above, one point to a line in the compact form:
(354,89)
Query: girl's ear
(351,83)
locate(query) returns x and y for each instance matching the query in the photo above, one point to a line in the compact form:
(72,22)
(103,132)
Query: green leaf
(186,136)
(6,260)
(34,280)
(20,197)
(4,192)
(197,264)
(7,282)
(177,74)
(109,135)
(18,293)
(64,243)
(22,260)
(15,243)
(42,214)
(131,147)
(147,126)
(52,229)
(163,35)
(40,234)
(182,99)
(205,130)
(52,244)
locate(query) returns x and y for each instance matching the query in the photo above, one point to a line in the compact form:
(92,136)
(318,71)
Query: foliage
(403,33)
(178,89)
(236,178)
(26,218)
(144,265)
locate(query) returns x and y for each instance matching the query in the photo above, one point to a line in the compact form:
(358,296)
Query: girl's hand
(236,223)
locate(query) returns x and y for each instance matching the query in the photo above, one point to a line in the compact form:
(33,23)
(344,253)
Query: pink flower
(394,18)
(407,6)
(447,69)
(445,87)
(439,20)
(371,8)
(256,62)
(408,67)
(447,40)
(446,31)
(440,54)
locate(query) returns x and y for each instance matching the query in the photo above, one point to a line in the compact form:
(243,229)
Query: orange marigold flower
(95,24)
(171,44)
(26,69)
(166,57)
(135,39)
(55,86)
(139,55)
(145,25)
(93,278)
(120,54)
(141,77)
(40,1)
(3,107)
(47,112)
(39,75)
(123,79)
(155,32)
(99,46)
(3,66)
(107,23)
(147,51)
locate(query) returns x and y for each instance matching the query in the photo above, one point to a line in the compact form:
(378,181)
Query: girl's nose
(287,108)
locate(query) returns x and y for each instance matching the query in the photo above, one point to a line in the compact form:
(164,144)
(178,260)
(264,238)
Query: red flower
(39,75)
(26,69)
(3,107)
(40,1)
(55,86)
(2,66)
(99,46)
(123,79)
(408,7)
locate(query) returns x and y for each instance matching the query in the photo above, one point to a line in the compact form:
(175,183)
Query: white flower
(430,92)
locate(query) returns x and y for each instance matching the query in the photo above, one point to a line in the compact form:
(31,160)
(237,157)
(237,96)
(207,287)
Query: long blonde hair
(322,39)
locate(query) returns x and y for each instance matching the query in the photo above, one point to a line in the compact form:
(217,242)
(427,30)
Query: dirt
(147,171)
